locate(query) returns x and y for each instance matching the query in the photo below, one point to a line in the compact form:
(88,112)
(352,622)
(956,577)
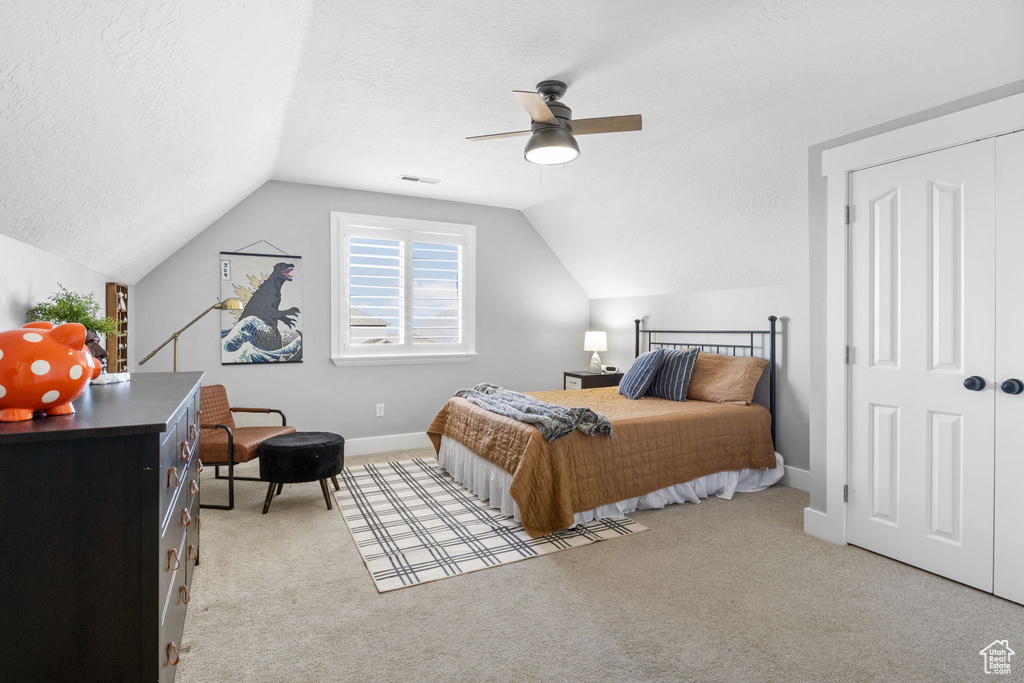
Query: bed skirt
(491,484)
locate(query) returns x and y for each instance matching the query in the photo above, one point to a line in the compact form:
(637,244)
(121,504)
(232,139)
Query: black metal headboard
(730,349)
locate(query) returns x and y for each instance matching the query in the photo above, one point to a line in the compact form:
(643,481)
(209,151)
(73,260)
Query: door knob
(1012,386)
(974,383)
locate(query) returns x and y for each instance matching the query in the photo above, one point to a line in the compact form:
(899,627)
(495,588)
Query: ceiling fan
(552,128)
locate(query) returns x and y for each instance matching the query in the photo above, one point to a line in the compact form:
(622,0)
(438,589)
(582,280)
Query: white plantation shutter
(436,293)
(403,289)
(376,291)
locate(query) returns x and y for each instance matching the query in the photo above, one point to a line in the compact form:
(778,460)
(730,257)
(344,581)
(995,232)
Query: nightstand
(582,379)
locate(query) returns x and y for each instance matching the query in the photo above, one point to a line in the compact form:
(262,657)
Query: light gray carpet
(721,591)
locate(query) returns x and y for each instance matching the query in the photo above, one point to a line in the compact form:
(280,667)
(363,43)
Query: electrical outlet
(380,410)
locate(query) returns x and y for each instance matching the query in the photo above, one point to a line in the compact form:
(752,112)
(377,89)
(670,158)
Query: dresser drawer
(192,545)
(573,383)
(177,595)
(190,486)
(174,579)
(182,438)
(171,561)
(173,481)
(190,429)
(179,453)
(174,441)
(195,412)
(172,627)
(169,654)
(182,517)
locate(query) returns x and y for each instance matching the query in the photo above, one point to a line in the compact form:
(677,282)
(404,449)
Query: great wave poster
(268,327)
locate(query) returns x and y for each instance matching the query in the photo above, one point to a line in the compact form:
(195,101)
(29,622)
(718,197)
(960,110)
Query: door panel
(884,458)
(1009,466)
(945,478)
(946,277)
(922,319)
(885,271)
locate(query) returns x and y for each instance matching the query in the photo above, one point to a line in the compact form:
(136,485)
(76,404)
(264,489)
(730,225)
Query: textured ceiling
(129,127)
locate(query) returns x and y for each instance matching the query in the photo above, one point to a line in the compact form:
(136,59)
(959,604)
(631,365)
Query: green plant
(65,306)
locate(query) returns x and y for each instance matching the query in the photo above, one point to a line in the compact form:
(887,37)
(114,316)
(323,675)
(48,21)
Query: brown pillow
(725,379)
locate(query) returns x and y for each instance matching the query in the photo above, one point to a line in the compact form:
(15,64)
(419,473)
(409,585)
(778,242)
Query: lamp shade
(230,305)
(551,146)
(595,341)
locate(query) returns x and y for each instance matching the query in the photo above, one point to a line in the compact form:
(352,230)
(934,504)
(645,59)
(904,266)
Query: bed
(662,451)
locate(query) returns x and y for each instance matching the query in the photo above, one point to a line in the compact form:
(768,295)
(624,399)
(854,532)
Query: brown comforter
(657,443)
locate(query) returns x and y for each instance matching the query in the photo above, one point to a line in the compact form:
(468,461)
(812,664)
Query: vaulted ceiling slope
(128,127)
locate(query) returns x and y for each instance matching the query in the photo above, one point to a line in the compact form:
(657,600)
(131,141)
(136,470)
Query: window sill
(404,359)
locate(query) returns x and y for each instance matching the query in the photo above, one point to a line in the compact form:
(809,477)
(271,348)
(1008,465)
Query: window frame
(345,225)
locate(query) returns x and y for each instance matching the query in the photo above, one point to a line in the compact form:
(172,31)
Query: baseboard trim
(796,478)
(391,442)
(815,523)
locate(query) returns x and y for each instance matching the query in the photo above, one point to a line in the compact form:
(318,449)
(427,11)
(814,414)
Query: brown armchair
(222,443)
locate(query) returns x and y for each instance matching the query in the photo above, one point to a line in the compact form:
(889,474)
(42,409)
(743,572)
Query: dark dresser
(99,533)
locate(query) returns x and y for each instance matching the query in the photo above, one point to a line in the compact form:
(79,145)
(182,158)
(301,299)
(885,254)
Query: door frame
(983,121)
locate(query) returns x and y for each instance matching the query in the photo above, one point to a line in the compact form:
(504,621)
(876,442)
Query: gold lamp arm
(227,304)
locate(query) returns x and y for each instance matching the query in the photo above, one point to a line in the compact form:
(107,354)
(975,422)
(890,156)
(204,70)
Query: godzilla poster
(268,327)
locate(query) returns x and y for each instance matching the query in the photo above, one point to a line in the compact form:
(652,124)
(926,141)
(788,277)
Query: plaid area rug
(412,523)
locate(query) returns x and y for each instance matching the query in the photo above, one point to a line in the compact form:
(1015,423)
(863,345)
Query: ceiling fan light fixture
(549,146)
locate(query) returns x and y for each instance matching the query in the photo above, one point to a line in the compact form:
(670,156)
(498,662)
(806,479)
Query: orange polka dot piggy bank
(43,367)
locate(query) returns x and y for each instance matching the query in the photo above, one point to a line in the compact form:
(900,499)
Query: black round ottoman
(300,457)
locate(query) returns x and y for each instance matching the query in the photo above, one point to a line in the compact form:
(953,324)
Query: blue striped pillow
(636,380)
(673,379)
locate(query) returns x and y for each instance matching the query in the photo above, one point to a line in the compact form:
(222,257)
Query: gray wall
(746,308)
(29,275)
(531,314)
(817,200)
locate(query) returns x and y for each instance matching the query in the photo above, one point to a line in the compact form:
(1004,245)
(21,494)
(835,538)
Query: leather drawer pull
(199,465)
(193,487)
(173,480)
(172,559)
(186,518)
(185,452)
(193,553)
(199,417)
(193,429)
(199,521)
(172,654)
(186,597)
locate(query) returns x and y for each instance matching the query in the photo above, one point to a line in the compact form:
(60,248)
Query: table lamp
(595,341)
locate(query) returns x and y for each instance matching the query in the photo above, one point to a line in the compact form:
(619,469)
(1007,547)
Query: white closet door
(1009,469)
(922,321)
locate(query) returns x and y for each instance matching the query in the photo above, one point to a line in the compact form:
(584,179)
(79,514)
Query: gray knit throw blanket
(553,421)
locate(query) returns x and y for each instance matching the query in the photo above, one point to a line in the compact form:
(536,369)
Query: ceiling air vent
(418,179)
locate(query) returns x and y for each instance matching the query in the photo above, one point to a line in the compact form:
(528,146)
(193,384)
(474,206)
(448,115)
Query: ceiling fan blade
(607,124)
(536,106)
(495,136)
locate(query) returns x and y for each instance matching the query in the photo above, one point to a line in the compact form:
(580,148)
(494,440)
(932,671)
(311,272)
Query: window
(402,290)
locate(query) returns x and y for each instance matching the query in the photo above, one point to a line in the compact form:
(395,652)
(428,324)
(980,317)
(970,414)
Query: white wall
(531,314)
(746,308)
(29,275)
